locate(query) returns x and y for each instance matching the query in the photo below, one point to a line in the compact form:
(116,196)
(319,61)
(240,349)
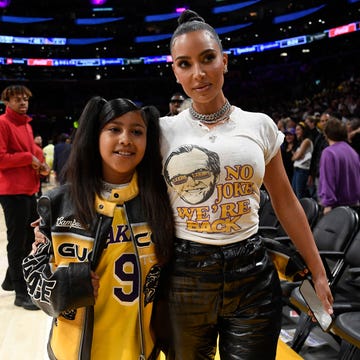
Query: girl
(108,233)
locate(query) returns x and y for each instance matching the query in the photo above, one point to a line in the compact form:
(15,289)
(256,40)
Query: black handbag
(287,260)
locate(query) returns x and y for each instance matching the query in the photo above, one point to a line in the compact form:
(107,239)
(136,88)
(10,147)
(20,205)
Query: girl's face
(122,145)
(198,65)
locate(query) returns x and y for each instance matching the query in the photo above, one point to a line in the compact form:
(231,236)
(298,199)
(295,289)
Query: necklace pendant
(212,138)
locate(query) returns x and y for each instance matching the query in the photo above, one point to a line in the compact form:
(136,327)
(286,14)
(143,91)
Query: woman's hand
(95,280)
(324,293)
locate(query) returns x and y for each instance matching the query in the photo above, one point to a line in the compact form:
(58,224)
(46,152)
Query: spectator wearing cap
(288,148)
(175,104)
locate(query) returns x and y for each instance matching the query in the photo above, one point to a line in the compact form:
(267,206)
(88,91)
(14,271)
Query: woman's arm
(293,219)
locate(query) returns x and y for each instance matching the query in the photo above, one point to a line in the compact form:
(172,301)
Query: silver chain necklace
(213,118)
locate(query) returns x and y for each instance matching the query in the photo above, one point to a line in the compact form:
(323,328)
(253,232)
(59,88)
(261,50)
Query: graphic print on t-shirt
(193,172)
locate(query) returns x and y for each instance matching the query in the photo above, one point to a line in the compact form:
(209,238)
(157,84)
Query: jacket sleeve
(11,158)
(57,289)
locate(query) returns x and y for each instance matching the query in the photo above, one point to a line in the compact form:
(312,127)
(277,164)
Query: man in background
(21,165)
(61,154)
(175,103)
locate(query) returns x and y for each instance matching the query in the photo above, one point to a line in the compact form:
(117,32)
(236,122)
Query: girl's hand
(39,236)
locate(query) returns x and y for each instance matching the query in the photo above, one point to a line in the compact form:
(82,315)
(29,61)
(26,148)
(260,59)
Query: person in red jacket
(20,168)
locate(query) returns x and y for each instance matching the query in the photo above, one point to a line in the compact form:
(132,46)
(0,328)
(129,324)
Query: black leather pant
(229,292)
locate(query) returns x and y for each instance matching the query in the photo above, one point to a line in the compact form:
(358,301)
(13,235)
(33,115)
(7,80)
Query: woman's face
(198,65)
(289,137)
(299,131)
(122,145)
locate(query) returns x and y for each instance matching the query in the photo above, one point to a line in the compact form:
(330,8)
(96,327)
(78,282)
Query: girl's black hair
(84,169)
(190,21)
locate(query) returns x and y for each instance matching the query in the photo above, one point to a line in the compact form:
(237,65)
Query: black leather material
(287,260)
(25,302)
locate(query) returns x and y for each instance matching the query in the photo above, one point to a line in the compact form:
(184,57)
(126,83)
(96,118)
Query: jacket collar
(118,197)
(16,118)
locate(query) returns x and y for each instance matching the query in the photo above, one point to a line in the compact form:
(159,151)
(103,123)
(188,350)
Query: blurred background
(283,53)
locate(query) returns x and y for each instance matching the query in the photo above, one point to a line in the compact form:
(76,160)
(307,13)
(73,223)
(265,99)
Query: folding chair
(334,233)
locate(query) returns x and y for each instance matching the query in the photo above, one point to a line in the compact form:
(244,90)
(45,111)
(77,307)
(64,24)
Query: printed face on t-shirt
(190,175)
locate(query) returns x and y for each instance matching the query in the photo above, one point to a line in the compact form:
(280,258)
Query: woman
(288,148)
(110,225)
(216,156)
(302,160)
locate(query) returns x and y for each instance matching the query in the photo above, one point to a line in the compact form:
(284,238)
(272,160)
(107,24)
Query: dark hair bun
(189,15)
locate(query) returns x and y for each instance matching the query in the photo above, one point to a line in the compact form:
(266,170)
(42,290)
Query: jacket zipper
(85,349)
(142,351)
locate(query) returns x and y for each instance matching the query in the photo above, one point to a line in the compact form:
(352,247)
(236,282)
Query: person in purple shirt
(339,169)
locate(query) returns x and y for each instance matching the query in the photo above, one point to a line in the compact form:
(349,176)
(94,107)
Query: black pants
(19,212)
(231,292)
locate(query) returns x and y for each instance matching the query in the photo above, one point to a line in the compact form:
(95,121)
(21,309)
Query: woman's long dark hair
(84,169)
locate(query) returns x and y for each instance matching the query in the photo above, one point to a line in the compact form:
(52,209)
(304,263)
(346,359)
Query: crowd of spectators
(309,116)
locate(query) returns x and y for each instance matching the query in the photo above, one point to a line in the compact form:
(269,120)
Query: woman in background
(302,160)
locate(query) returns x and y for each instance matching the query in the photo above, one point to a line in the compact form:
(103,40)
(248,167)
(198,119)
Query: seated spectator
(339,169)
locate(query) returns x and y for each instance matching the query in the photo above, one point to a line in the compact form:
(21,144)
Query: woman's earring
(225,70)
(177,81)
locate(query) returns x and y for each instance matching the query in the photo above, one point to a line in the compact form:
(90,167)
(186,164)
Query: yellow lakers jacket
(119,248)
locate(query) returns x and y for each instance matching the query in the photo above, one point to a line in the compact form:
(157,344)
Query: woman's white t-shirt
(214,175)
